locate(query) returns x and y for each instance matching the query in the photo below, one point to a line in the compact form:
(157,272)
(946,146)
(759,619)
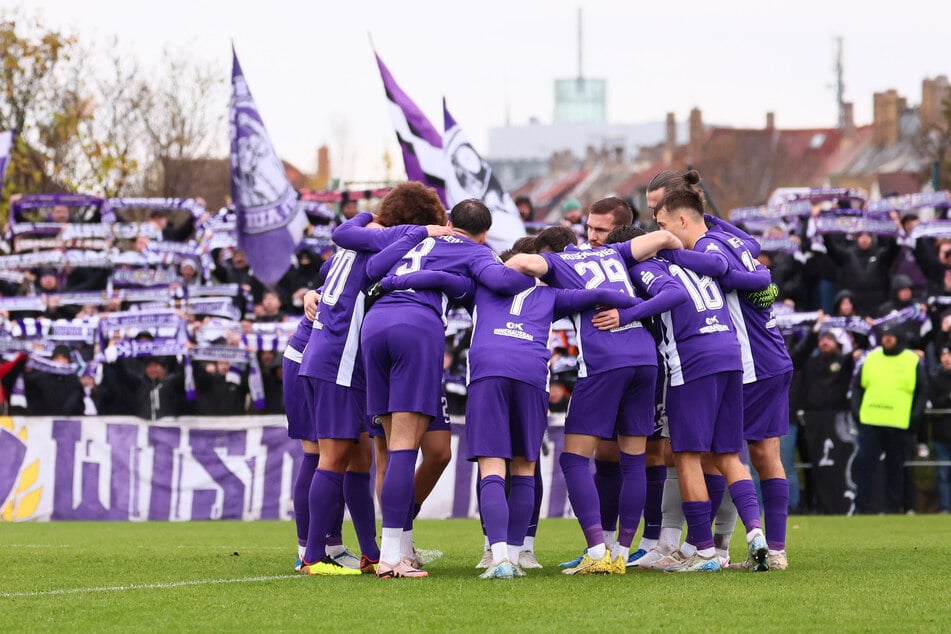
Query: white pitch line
(149,586)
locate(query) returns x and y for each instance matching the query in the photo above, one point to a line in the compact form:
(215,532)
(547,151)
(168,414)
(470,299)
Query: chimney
(885,107)
(670,140)
(848,131)
(695,144)
(770,121)
(322,177)
(933,91)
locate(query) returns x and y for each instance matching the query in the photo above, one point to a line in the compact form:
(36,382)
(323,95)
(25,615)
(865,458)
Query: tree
(183,115)
(40,98)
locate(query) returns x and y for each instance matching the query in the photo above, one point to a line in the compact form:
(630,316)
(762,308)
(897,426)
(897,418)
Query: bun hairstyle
(669,180)
(692,177)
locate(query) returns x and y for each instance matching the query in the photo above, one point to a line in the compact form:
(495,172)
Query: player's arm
(748,241)
(647,245)
(663,298)
(747,280)
(455,286)
(380,264)
(712,263)
(569,302)
(497,277)
(353,234)
(529,264)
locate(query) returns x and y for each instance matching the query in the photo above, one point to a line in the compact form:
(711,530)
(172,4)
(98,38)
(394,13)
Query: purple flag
(270,224)
(420,142)
(6,149)
(470,176)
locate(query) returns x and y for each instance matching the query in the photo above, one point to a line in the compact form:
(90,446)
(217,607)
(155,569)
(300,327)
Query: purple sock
(537,508)
(495,508)
(716,485)
(335,537)
(359,499)
(521,502)
(305,475)
(583,495)
(633,493)
(656,476)
(776,510)
(747,507)
(699,532)
(397,494)
(607,480)
(479,500)
(326,495)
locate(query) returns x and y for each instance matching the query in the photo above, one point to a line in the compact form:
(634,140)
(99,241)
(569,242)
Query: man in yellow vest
(888,401)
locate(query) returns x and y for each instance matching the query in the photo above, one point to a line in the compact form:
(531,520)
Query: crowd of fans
(64,357)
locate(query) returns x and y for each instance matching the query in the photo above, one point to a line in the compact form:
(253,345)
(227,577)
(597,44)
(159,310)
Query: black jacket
(940,392)
(50,394)
(865,272)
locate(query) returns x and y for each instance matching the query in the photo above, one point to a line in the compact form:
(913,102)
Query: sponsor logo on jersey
(633,324)
(513,329)
(713,325)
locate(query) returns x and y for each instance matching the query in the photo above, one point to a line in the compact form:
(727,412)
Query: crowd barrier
(243,467)
(192,468)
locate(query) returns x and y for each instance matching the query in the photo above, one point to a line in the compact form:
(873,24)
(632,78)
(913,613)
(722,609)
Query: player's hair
(620,211)
(623,234)
(411,204)
(669,179)
(555,239)
(472,216)
(680,198)
(525,244)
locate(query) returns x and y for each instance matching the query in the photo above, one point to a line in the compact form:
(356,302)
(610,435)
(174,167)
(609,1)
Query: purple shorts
(403,356)
(439,423)
(338,410)
(618,401)
(660,407)
(766,408)
(298,403)
(505,418)
(705,414)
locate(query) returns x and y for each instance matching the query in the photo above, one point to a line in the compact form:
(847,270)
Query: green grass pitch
(883,573)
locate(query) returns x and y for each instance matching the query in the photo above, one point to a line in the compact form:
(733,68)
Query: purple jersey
(606,267)
(298,342)
(763,350)
(510,333)
(332,352)
(451,254)
(697,335)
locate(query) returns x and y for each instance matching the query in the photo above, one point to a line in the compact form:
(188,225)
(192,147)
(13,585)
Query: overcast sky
(310,67)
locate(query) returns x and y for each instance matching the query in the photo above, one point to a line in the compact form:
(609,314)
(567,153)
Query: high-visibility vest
(889,382)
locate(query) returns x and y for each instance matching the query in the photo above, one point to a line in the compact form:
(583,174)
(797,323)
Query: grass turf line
(860,573)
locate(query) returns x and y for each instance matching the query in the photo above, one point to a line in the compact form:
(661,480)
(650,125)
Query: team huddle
(679,363)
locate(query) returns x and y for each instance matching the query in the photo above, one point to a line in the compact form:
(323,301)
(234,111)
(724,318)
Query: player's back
(510,335)
(451,254)
(605,268)
(332,352)
(763,349)
(698,337)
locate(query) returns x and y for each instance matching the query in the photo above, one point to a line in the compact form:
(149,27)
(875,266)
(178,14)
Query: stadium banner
(124,468)
(470,176)
(270,223)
